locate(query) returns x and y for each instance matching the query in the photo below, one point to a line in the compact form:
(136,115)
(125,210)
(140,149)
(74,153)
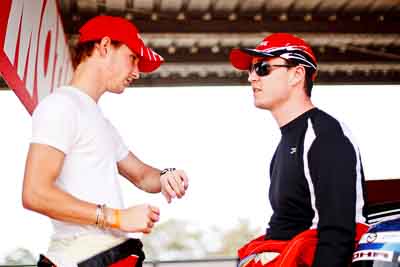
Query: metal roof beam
(249,25)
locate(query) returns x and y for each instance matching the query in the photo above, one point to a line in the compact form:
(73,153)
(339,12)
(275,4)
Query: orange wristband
(117,219)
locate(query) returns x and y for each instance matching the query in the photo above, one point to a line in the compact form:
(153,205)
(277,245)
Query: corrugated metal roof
(356,41)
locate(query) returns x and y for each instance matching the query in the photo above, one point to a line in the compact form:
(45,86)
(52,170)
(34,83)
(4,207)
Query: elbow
(27,200)
(30,199)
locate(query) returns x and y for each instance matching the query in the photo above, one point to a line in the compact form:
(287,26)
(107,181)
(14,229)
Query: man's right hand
(139,218)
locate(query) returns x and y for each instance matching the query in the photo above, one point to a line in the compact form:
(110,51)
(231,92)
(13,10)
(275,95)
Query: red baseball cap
(121,30)
(282,45)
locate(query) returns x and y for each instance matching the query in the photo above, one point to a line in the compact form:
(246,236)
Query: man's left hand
(174,184)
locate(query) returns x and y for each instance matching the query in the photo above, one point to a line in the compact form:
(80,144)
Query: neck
(291,110)
(87,78)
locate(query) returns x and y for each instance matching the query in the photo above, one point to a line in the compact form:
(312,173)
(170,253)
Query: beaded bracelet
(101,221)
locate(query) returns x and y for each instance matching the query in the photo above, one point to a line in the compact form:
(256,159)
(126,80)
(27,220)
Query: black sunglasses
(263,68)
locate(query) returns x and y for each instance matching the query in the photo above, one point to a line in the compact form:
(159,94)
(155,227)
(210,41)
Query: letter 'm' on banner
(34,55)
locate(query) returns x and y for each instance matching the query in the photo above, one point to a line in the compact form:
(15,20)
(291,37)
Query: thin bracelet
(102,223)
(98,211)
(164,171)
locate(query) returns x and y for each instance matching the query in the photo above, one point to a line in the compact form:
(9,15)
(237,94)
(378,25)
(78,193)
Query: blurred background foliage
(176,240)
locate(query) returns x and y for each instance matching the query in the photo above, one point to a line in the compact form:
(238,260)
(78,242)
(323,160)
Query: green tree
(236,237)
(174,239)
(20,256)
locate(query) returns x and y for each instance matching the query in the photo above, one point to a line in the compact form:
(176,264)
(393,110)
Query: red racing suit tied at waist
(296,252)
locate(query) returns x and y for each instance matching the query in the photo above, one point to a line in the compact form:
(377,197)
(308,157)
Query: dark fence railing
(219,262)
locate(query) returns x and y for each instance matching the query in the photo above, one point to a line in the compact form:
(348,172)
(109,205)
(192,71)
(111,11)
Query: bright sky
(215,134)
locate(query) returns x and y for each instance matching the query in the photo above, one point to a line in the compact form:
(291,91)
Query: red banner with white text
(34,55)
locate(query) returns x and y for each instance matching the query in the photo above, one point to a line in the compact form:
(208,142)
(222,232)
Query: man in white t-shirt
(76,154)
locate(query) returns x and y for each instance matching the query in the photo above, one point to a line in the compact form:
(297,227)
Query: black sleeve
(332,163)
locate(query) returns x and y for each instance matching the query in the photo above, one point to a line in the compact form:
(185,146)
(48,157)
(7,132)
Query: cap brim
(149,60)
(241,57)
(148,66)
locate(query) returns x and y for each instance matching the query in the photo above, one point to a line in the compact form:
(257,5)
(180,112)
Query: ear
(104,46)
(298,76)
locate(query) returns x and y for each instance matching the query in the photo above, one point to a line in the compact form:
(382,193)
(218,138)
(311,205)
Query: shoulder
(62,97)
(59,104)
(323,124)
(328,132)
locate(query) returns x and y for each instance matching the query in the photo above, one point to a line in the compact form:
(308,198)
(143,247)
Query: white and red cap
(282,45)
(121,30)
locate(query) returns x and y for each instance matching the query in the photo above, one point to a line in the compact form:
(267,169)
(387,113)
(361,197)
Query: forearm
(62,206)
(334,176)
(151,180)
(334,248)
(142,175)
(173,183)
(336,228)
(57,204)
(148,180)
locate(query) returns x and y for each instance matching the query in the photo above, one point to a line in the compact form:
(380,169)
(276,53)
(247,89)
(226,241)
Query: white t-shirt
(71,121)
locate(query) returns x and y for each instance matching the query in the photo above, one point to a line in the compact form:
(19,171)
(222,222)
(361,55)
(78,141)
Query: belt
(108,257)
(129,247)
